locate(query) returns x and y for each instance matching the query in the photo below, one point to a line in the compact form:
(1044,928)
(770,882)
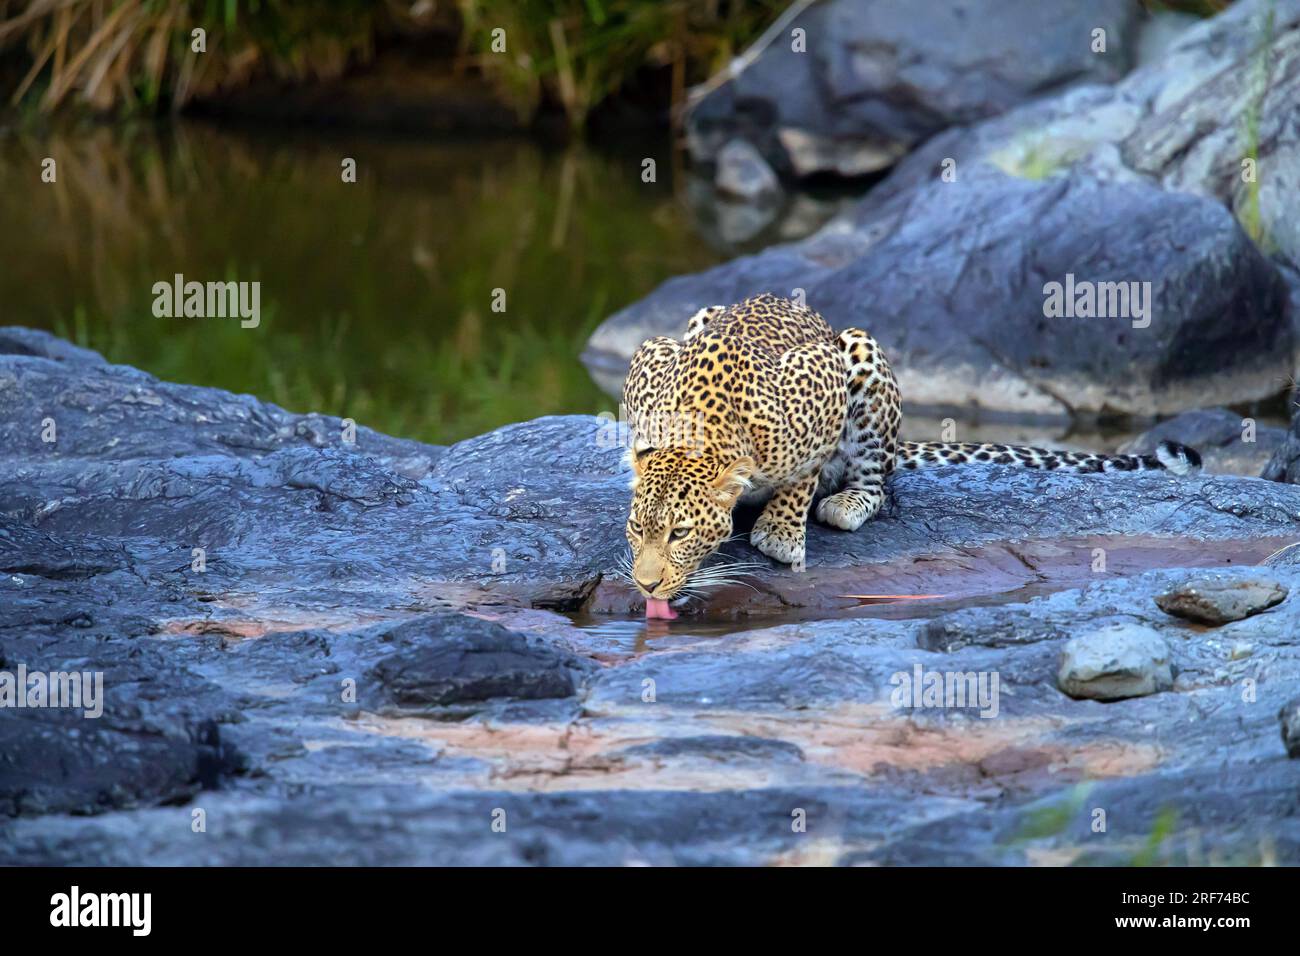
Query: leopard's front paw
(781,542)
(849,509)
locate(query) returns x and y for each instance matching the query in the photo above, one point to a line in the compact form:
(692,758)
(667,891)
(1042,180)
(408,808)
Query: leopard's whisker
(727,570)
(736,563)
(704,579)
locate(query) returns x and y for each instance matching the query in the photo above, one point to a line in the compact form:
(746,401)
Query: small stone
(1218,600)
(1114,662)
(1289,716)
(1241,649)
(743,173)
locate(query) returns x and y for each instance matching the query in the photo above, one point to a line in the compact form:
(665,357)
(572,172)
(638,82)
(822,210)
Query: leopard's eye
(679,533)
(635,526)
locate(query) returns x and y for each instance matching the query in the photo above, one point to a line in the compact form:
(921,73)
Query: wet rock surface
(454,659)
(149,734)
(960,244)
(372,660)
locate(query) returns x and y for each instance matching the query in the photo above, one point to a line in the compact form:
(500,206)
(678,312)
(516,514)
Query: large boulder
(955,260)
(1229,443)
(385,652)
(1211,116)
(957,292)
(846,87)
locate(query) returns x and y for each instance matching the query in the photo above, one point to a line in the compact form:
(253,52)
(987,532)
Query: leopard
(763,402)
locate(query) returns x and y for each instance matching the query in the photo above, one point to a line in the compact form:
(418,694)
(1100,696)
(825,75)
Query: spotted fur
(764,401)
(1169,456)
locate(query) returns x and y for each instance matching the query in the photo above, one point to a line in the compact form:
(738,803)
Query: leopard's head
(681,512)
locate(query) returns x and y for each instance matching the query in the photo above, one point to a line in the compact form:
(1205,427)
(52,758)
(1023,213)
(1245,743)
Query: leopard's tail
(1169,456)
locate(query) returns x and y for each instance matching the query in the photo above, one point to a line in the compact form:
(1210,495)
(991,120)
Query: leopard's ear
(636,457)
(734,480)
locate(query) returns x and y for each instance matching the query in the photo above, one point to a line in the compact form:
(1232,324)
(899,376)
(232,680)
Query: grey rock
(1115,661)
(875,78)
(717,747)
(999,349)
(454,659)
(135,414)
(1160,32)
(27,550)
(1289,717)
(1219,435)
(494,520)
(985,627)
(1215,600)
(733,228)
(16,340)
(391,826)
(1284,465)
(1205,807)
(743,173)
(445,600)
(1123,168)
(1180,122)
(156,738)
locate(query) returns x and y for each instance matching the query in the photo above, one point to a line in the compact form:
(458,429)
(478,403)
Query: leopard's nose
(650,587)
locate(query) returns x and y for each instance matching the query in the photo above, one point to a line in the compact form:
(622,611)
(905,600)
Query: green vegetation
(1053,818)
(1050,819)
(577,52)
(137,55)
(1200,8)
(1036,156)
(1153,851)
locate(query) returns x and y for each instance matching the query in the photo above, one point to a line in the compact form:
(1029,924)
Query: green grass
(136,55)
(577,52)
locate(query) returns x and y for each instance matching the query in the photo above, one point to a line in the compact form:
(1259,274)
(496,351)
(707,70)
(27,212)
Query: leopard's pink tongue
(658,608)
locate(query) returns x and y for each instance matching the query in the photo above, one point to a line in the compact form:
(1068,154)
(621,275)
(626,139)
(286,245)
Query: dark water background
(376,296)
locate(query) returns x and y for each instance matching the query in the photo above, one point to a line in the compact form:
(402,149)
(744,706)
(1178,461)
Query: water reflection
(377,296)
